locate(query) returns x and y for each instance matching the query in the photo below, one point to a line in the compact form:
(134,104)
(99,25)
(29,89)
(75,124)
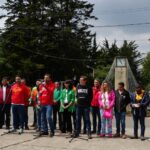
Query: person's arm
(72,100)
(112,100)
(147,100)
(128,98)
(90,94)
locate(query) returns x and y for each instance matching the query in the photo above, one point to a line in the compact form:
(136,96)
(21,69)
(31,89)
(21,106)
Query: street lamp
(93,70)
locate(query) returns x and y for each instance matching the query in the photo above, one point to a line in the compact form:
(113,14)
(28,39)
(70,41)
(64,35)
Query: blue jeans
(18,115)
(83,111)
(46,116)
(120,120)
(105,123)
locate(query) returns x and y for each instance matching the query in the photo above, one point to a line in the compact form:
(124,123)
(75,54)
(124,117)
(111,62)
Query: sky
(114,12)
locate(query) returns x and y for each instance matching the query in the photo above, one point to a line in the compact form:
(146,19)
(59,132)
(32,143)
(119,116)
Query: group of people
(68,107)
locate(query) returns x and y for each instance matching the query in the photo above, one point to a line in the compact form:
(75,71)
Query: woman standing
(106,104)
(67,100)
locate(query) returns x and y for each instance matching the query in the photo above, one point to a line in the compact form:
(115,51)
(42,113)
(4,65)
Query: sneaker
(124,136)
(93,132)
(89,136)
(20,131)
(134,137)
(43,133)
(12,130)
(117,135)
(142,138)
(26,128)
(51,134)
(110,136)
(102,135)
(75,135)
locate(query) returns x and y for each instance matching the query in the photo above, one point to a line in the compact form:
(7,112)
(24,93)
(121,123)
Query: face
(66,85)
(4,82)
(38,83)
(120,87)
(18,80)
(105,86)
(83,81)
(139,90)
(46,79)
(23,81)
(57,85)
(96,83)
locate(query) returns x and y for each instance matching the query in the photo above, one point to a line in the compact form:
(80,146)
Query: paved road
(60,142)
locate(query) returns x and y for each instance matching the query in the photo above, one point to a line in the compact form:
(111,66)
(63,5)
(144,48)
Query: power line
(89,26)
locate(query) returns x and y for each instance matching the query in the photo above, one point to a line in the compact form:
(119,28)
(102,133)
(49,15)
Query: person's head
(38,82)
(23,81)
(106,86)
(47,78)
(120,86)
(68,84)
(139,88)
(18,79)
(83,80)
(57,85)
(4,81)
(97,83)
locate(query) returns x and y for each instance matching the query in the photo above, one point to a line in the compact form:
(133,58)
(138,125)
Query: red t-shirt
(19,94)
(46,92)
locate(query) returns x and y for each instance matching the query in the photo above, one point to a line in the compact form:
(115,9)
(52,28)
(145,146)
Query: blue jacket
(142,110)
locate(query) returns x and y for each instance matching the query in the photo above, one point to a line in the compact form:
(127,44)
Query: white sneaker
(20,131)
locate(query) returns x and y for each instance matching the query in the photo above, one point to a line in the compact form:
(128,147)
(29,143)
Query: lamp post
(93,70)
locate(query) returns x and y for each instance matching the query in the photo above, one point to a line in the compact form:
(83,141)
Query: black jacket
(84,96)
(122,100)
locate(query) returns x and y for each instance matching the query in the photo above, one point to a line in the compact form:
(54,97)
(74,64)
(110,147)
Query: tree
(146,72)
(39,35)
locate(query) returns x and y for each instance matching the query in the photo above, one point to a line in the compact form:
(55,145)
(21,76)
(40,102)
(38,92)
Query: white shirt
(66,98)
(4,93)
(105,99)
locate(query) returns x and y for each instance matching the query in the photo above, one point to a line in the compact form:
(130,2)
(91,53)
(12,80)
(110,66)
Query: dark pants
(26,116)
(96,115)
(5,115)
(83,111)
(46,116)
(120,120)
(73,114)
(18,111)
(38,113)
(138,117)
(55,114)
(34,116)
(66,121)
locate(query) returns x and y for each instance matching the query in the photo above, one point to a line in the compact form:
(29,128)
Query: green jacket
(57,94)
(71,98)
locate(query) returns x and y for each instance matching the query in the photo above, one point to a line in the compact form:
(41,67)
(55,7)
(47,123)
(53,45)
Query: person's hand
(54,101)
(66,107)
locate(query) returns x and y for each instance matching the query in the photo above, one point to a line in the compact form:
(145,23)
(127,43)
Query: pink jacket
(111,99)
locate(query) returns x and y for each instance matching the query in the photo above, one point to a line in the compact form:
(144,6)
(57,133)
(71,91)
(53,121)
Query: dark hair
(69,82)
(18,76)
(5,78)
(47,74)
(121,83)
(84,77)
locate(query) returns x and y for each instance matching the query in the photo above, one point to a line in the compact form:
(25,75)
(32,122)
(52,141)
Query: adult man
(5,103)
(121,102)
(139,102)
(95,107)
(19,97)
(46,91)
(23,81)
(84,97)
